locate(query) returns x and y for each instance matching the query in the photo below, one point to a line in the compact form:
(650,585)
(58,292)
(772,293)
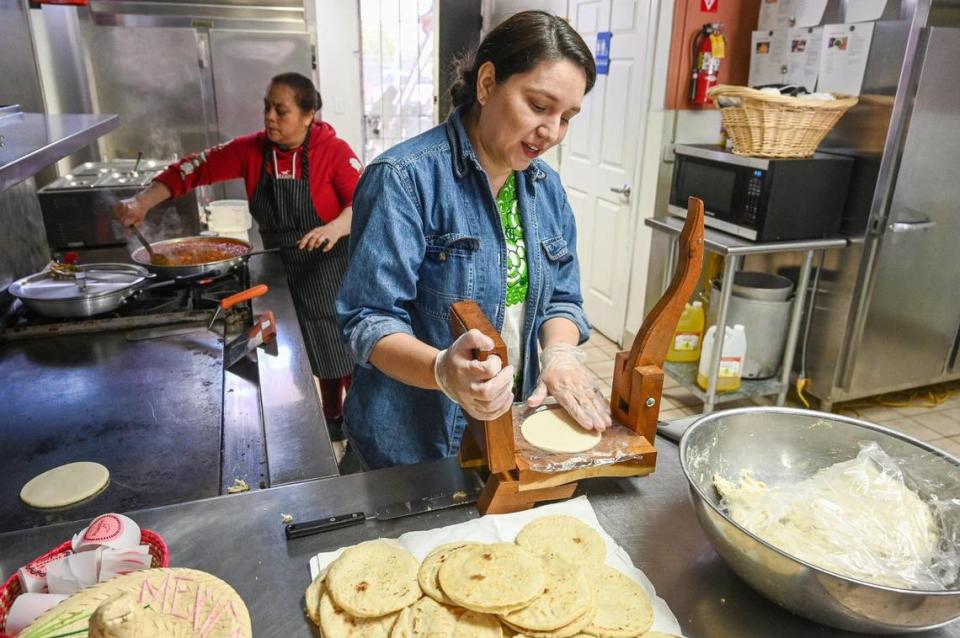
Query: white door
(598,159)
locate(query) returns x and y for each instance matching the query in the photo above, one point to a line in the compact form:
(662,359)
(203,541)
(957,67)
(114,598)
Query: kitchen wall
(23,241)
(21,83)
(460,23)
(338,68)
(739,19)
(496,11)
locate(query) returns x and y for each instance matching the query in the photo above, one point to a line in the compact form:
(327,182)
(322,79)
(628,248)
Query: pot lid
(81,282)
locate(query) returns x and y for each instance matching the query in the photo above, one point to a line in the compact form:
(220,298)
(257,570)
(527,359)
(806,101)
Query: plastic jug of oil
(731,359)
(687,338)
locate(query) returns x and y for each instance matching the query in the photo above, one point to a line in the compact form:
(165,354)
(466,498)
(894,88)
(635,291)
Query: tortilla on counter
(65,485)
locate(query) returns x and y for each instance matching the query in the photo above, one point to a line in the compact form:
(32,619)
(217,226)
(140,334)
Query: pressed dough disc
(565,536)
(65,485)
(554,430)
(373,579)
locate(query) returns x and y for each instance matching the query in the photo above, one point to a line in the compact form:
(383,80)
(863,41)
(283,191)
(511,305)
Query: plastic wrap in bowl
(783,446)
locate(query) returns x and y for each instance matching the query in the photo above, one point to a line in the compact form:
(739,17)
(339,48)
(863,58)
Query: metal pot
(761,285)
(784,446)
(223,265)
(97,288)
(765,324)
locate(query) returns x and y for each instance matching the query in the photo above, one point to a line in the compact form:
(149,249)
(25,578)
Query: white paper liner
(503,528)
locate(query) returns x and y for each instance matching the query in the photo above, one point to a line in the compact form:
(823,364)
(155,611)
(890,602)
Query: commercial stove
(143,390)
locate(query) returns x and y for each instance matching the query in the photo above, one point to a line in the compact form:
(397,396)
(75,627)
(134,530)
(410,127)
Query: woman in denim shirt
(467,211)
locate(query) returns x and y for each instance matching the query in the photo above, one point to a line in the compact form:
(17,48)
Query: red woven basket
(11,589)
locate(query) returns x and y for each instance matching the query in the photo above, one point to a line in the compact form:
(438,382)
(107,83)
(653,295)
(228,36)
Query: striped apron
(284,211)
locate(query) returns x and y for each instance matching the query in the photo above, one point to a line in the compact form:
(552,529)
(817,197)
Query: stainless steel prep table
(240,539)
(297,441)
(733,249)
(100,397)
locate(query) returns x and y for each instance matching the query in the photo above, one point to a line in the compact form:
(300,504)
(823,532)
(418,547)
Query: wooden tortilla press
(635,399)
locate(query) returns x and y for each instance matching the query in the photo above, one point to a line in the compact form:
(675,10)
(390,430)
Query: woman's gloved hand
(484,389)
(565,377)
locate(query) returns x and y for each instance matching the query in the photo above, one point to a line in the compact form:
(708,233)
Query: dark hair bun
(464,88)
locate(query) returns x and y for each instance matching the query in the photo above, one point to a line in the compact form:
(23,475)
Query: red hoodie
(334,168)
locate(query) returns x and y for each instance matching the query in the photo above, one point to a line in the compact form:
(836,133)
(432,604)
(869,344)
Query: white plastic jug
(731,359)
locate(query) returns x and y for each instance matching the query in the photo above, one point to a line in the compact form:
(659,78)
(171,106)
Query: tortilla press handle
(257,291)
(495,437)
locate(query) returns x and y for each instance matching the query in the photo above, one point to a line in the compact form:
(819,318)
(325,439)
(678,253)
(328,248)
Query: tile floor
(938,425)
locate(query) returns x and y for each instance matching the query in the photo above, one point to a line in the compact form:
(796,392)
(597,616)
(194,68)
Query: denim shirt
(426,233)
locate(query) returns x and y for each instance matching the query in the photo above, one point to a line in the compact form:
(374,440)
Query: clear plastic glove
(565,377)
(484,389)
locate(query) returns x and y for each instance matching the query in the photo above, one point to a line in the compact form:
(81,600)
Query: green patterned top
(518,281)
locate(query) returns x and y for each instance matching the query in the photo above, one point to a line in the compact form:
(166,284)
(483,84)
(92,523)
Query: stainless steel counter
(298,444)
(240,539)
(30,142)
(137,405)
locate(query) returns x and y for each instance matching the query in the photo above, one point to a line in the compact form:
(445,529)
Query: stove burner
(195,301)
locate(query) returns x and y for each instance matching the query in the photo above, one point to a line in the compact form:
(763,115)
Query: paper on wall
(843,57)
(768,57)
(784,14)
(503,528)
(775,14)
(808,13)
(863,10)
(803,56)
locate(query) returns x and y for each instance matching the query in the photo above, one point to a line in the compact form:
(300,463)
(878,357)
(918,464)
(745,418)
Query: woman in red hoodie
(300,179)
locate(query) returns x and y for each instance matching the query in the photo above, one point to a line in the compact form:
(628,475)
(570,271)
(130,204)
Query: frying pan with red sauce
(192,251)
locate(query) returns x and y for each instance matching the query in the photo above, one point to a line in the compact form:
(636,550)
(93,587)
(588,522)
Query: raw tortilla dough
(850,518)
(65,485)
(554,430)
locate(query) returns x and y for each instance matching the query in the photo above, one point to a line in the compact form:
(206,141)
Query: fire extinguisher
(709,47)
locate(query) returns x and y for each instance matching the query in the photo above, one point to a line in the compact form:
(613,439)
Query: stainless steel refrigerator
(886,313)
(182,75)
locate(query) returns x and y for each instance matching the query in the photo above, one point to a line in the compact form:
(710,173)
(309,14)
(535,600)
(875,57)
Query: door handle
(625,190)
(904,227)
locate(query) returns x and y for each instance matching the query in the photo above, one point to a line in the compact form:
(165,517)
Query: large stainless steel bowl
(783,445)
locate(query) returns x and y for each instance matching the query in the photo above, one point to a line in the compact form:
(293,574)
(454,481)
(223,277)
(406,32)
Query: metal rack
(732,249)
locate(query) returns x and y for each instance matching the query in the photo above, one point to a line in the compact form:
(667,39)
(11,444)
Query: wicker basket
(769,125)
(159,554)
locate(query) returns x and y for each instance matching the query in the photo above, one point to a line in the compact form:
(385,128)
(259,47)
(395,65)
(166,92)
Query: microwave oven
(762,199)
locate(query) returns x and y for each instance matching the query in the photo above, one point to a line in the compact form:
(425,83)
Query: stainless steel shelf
(29,142)
(734,247)
(686,375)
(724,244)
